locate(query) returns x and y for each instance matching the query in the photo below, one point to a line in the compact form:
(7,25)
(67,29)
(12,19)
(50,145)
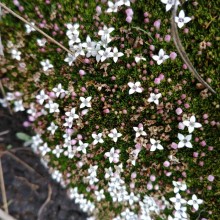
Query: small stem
(4,197)
(39,30)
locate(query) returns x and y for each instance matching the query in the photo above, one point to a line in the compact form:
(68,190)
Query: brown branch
(2,182)
(182,52)
(45,203)
(19,161)
(39,30)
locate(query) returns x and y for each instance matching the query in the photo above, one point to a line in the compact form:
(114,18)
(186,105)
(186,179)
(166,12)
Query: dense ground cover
(122,123)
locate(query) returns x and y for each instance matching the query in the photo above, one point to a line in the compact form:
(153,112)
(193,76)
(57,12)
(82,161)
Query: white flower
(92,179)
(73,39)
(154,98)
(180,213)
(42,97)
(52,128)
(116,54)
(18,106)
(4,103)
(124,2)
(155,145)
(178,200)
(195,202)
(108,173)
(140,131)
(179,186)
(70,59)
(56,175)
(112,7)
(105,31)
(134,87)
(16,54)
(58,90)
(82,146)
(192,124)
(89,45)
(78,50)
(41,42)
(29,29)
(93,170)
(99,195)
(169,3)
(105,53)
(44,149)
(112,155)
(68,123)
(181,20)
(184,141)
(132,198)
(97,138)
(46,65)
(53,107)
(161,57)
(72,114)
(72,29)
(138,58)
(85,102)
(57,151)
(114,135)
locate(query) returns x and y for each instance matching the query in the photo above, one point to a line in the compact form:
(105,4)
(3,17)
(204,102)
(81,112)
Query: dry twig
(39,30)
(45,203)
(182,52)
(2,182)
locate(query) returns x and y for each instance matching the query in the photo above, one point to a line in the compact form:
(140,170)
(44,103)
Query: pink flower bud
(166,163)
(132,185)
(161,76)
(181,126)
(167,38)
(98,10)
(203,143)
(157,80)
(211,178)
(179,111)
(173,55)
(152,47)
(195,154)
(129,19)
(157,24)
(129,12)
(152,178)
(149,186)
(82,72)
(133,175)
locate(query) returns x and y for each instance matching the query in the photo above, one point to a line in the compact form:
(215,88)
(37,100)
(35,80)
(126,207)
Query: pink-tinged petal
(190,129)
(196,206)
(188,144)
(130,84)
(138,84)
(152,141)
(159,62)
(156,102)
(131,91)
(153,148)
(139,90)
(161,53)
(173,199)
(193,119)
(199,201)
(182,14)
(115,59)
(188,137)
(168,7)
(107,154)
(155,57)
(181,144)
(160,147)
(187,19)
(197,125)
(180,136)
(186,123)
(180,24)
(110,135)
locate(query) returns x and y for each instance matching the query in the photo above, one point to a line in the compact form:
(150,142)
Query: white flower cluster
(99,50)
(84,204)
(15,98)
(113,6)
(92,177)
(179,202)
